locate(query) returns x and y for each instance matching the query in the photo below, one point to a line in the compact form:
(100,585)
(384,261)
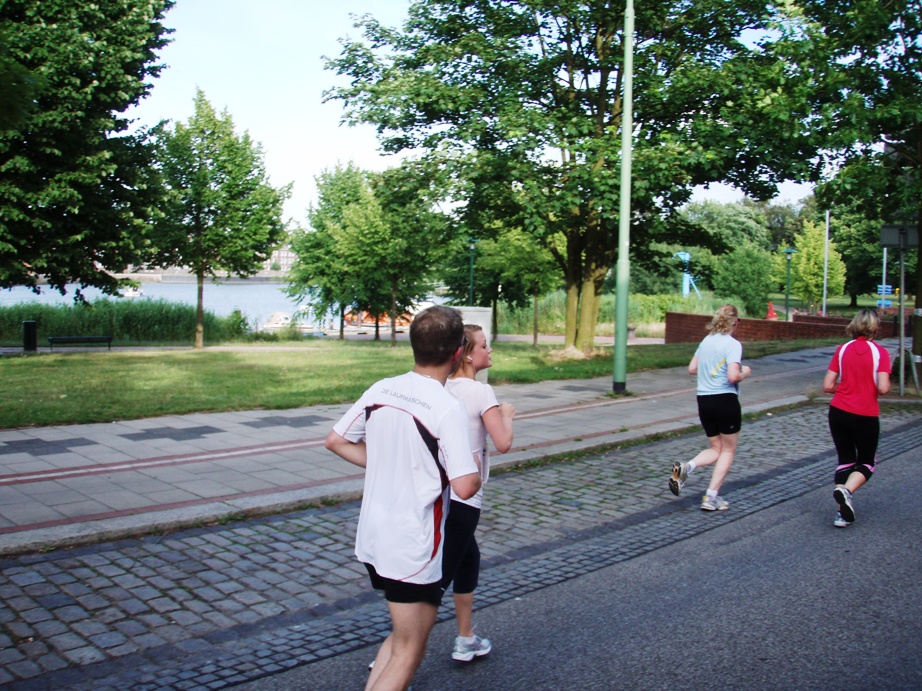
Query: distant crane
(687,279)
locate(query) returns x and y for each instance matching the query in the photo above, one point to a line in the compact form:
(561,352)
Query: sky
(263,62)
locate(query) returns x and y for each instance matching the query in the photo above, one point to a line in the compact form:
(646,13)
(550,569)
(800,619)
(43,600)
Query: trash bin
(30,336)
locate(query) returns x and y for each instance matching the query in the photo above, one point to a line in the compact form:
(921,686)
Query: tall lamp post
(622,272)
(788,254)
(470,294)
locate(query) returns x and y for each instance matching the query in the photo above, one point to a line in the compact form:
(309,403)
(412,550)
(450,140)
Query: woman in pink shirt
(858,373)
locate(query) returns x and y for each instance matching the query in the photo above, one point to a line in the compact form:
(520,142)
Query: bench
(80,340)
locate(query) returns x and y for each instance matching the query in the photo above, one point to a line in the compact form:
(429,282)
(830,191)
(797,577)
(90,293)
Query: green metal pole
(787,294)
(623,268)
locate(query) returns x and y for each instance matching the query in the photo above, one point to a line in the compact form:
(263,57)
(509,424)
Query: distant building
(280,260)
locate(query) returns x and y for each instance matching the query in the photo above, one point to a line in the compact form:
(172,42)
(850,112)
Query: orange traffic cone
(771,312)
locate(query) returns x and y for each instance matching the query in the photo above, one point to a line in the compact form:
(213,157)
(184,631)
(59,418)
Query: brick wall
(687,328)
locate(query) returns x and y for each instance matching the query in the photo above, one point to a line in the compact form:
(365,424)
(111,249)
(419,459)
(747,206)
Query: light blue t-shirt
(714,353)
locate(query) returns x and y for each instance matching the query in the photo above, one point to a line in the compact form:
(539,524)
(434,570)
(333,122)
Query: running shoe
(840,522)
(844,499)
(715,504)
(465,651)
(679,477)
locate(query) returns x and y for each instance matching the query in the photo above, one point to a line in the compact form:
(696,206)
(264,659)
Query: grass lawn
(84,387)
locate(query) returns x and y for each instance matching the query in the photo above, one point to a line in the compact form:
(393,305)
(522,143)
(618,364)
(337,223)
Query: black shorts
(401,591)
(720,414)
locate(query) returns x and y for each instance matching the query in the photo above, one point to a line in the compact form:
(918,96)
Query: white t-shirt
(477,398)
(416,439)
(715,352)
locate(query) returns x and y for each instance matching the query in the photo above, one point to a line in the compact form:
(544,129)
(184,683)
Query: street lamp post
(470,294)
(789,254)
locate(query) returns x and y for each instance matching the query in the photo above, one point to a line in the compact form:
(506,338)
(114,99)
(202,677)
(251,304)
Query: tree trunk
(494,320)
(534,337)
(572,328)
(342,322)
(393,314)
(377,327)
(200,311)
(585,339)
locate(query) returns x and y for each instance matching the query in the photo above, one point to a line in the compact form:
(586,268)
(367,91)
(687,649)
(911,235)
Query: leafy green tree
(858,240)
(781,220)
(19,86)
(524,269)
(400,249)
(76,194)
(745,273)
(375,239)
(807,266)
(870,63)
(735,224)
(531,93)
(319,276)
(221,214)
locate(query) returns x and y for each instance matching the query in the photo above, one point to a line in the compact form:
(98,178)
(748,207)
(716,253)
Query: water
(257,301)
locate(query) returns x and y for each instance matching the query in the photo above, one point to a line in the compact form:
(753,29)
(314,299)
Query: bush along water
(134,321)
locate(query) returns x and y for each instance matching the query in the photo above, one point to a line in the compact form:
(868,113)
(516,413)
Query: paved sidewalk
(69,485)
(217,606)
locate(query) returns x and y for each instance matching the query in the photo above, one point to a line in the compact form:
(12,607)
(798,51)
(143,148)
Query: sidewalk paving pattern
(262,595)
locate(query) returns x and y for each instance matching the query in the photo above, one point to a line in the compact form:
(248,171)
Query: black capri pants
(461,555)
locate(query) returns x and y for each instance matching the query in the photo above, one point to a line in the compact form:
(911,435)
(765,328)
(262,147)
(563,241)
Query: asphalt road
(778,599)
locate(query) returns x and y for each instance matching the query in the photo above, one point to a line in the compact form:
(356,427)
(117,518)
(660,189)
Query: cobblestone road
(218,606)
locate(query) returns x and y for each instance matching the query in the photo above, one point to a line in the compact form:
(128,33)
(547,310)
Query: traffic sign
(883,303)
(884,289)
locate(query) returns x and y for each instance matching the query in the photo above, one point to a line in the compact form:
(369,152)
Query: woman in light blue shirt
(718,364)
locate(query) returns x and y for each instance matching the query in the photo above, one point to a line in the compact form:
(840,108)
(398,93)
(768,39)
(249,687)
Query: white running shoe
(465,651)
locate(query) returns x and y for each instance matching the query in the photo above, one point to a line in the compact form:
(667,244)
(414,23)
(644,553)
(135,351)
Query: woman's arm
(737,372)
(883,382)
(693,365)
(498,421)
(829,381)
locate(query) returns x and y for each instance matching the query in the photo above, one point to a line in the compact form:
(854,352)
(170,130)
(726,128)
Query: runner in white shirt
(718,366)
(411,437)
(461,561)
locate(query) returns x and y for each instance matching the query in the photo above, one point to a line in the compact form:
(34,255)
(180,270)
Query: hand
(507,410)
(746,370)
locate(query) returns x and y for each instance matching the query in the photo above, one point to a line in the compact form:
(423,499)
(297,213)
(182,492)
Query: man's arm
(354,452)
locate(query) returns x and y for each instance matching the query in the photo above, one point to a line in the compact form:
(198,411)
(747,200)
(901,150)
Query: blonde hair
(865,323)
(469,345)
(724,319)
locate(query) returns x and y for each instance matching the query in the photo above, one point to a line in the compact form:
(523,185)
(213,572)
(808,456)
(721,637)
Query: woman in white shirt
(461,557)
(718,366)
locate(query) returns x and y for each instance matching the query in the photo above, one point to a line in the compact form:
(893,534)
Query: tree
(374,240)
(408,244)
(76,195)
(523,265)
(220,214)
(872,77)
(19,86)
(807,266)
(735,224)
(745,273)
(319,275)
(533,91)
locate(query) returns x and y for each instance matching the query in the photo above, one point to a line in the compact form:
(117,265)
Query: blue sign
(883,303)
(884,289)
